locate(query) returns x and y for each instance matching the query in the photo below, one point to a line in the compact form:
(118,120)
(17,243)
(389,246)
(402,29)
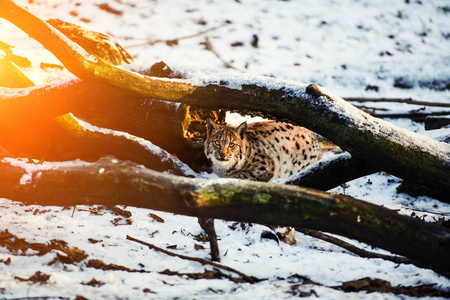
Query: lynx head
(225,145)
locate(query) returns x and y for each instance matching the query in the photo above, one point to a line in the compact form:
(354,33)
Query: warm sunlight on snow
(369,49)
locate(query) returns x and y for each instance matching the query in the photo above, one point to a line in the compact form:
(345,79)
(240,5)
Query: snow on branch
(112,182)
(395,150)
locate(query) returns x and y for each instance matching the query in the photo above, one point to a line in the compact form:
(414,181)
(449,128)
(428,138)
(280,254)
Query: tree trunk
(328,174)
(402,153)
(112,182)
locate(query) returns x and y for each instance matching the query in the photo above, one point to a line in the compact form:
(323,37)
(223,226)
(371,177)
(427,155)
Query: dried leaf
(94,241)
(377,285)
(38,277)
(94,282)
(156,218)
(288,236)
(100,265)
(121,212)
(198,247)
(147,290)
(6,261)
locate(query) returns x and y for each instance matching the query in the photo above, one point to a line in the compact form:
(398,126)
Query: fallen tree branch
(398,100)
(210,48)
(416,116)
(353,249)
(112,182)
(330,173)
(247,278)
(86,66)
(175,40)
(400,152)
(26,104)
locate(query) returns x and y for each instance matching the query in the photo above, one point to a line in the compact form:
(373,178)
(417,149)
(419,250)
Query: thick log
(400,152)
(435,122)
(328,174)
(113,182)
(84,65)
(27,125)
(63,138)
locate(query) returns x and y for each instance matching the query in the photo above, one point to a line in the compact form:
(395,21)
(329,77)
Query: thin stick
(209,47)
(398,100)
(247,278)
(177,39)
(361,252)
(353,249)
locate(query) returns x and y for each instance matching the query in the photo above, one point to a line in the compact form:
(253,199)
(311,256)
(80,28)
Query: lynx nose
(223,155)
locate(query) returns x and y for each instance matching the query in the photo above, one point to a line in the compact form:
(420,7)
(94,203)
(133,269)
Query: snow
(353,48)
(161,153)
(30,169)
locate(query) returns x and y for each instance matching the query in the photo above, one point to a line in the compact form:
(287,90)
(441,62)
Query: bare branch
(247,278)
(175,40)
(399,100)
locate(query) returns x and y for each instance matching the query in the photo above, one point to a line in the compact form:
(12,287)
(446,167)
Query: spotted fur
(261,151)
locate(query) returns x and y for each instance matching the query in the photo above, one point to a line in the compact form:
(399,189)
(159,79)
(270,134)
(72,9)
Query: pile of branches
(44,123)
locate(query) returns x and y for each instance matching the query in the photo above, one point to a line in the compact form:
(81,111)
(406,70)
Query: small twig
(398,100)
(177,39)
(352,248)
(209,47)
(247,278)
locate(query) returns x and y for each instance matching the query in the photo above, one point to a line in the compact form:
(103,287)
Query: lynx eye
(217,143)
(232,145)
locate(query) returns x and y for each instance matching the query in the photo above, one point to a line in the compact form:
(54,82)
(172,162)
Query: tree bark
(108,181)
(402,153)
(328,174)
(113,182)
(86,66)
(27,118)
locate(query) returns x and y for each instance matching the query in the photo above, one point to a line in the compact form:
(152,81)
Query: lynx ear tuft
(241,129)
(211,126)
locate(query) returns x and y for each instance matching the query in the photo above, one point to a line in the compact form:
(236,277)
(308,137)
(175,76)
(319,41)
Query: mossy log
(400,152)
(112,182)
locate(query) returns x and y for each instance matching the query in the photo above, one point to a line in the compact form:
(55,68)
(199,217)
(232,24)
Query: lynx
(262,151)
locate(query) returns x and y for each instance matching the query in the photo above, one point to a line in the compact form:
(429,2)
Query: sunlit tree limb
(85,65)
(392,149)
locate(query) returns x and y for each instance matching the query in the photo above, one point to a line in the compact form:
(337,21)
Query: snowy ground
(353,48)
